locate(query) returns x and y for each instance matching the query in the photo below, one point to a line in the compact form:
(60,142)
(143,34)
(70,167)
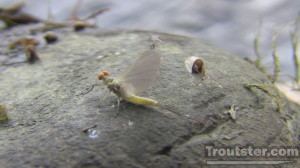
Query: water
(228,24)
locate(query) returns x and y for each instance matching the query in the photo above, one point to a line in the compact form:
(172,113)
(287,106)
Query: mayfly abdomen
(141,100)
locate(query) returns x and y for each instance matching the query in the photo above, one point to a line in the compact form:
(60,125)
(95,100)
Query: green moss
(3,114)
(276,60)
(270,90)
(170,48)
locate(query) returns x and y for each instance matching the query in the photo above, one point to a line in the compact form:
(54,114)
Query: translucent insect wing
(142,73)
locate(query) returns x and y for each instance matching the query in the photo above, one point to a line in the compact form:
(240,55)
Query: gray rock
(50,109)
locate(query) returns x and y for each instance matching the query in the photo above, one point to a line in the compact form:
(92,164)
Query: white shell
(189,62)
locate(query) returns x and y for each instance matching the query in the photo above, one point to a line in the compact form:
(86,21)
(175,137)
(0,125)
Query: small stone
(50,37)
(130,123)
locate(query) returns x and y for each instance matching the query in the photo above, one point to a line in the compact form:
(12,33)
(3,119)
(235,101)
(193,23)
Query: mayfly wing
(142,73)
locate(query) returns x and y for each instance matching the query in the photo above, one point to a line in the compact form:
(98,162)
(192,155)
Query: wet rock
(57,123)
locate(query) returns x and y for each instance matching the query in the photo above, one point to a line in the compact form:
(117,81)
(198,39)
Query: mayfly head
(103,74)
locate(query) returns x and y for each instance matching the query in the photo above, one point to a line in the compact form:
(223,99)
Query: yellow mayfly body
(138,78)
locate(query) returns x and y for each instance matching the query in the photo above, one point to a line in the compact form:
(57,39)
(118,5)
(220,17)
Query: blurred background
(228,24)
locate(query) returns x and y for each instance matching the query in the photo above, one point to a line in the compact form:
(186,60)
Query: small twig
(15,8)
(275,56)
(85,130)
(13,15)
(50,14)
(20,18)
(74,13)
(96,13)
(257,44)
(73,21)
(295,44)
(49,25)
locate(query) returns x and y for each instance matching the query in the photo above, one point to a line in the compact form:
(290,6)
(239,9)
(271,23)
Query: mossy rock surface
(49,106)
(3,114)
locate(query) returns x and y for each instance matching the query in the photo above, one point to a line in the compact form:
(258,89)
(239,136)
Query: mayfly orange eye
(102,75)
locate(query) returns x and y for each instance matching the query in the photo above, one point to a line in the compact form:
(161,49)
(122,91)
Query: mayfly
(138,78)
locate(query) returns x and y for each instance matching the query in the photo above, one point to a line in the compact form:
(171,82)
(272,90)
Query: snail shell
(195,65)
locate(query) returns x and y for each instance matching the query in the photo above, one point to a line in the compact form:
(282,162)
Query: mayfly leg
(118,107)
(89,89)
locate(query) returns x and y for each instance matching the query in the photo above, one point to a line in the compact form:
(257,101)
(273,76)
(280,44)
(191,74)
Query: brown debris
(29,47)
(81,25)
(23,42)
(31,54)
(13,15)
(13,9)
